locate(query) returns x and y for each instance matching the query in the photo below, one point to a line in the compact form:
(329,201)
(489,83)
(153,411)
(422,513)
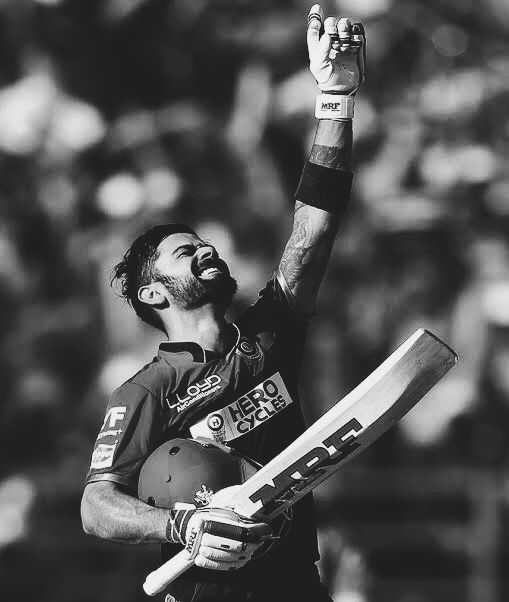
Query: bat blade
(348,428)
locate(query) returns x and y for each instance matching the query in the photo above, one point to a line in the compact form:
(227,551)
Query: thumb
(315,20)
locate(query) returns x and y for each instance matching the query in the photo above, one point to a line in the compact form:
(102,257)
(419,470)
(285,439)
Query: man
(245,373)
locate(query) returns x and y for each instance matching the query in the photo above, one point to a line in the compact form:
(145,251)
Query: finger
(251,548)
(315,20)
(223,555)
(331,34)
(358,36)
(205,563)
(254,535)
(213,553)
(344,33)
(358,42)
(222,543)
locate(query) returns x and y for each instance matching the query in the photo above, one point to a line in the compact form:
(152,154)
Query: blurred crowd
(120,114)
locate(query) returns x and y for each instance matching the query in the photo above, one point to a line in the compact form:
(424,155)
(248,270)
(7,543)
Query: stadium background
(119,114)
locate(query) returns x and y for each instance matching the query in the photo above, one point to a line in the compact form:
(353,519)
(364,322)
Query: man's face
(193,273)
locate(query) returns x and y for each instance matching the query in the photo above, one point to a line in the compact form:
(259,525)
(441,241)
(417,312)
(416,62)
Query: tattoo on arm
(333,157)
(332,146)
(296,259)
(305,255)
(308,251)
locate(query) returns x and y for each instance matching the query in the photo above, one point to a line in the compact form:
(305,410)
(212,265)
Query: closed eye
(184,250)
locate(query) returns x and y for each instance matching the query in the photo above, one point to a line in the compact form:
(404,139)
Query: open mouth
(209,273)
(211,269)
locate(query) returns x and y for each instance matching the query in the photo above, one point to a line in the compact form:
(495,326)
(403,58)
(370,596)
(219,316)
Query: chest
(229,398)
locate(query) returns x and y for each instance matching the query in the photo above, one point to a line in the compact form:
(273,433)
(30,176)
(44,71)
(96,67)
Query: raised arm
(337,60)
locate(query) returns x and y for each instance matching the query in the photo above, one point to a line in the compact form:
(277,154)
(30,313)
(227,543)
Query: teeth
(209,271)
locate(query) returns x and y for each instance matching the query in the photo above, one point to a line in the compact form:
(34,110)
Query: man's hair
(137,269)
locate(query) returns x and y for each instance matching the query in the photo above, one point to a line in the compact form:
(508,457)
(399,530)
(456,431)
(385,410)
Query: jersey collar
(195,350)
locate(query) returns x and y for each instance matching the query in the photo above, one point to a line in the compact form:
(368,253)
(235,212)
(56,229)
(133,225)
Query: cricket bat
(350,426)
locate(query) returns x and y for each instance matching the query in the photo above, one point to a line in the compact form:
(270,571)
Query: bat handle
(157,580)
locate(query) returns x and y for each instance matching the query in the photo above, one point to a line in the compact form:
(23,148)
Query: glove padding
(337,52)
(220,539)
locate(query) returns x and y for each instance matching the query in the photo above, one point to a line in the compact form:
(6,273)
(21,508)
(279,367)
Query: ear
(153,294)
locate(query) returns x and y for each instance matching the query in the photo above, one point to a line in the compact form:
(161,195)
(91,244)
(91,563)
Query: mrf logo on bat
(310,467)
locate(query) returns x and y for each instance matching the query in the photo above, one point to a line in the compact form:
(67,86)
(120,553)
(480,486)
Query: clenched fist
(337,52)
(220,539)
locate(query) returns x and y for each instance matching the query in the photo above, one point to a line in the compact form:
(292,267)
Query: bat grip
(157,580)
(228,531)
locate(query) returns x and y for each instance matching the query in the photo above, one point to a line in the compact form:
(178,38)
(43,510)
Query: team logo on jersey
(248,349)
(103,456)
(203,388)
(246,413)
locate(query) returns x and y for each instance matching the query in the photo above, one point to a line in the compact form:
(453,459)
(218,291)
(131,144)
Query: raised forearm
(337,60)
(308,250)
(332,146)
(110,514)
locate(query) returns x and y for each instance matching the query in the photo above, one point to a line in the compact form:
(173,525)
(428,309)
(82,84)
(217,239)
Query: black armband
(325,188)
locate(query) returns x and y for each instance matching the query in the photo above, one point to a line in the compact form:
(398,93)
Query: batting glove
(217,538)
(337,52)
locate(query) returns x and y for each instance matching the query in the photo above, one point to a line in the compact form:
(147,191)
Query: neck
(205,325)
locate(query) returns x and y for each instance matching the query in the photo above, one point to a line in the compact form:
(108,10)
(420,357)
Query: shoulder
(154,380)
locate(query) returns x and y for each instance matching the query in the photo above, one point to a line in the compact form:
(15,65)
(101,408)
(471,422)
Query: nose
(206,252)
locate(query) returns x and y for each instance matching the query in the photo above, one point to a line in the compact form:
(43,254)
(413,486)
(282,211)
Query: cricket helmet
(189,471)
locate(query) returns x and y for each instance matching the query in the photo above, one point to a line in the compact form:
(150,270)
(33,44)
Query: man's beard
(191,292)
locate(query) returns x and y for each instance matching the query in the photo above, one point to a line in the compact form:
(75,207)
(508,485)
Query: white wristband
(334,106)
